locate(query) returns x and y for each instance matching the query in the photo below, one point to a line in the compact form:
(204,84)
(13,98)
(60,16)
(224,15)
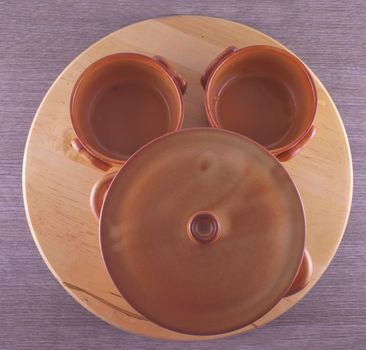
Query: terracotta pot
(121,102)
(262,92)
(203,231)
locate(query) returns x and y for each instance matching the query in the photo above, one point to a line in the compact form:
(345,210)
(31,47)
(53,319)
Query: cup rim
(137,154)
(105,60)
(281,52)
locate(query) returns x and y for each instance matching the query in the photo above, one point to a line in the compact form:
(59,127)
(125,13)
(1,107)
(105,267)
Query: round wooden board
(57,182)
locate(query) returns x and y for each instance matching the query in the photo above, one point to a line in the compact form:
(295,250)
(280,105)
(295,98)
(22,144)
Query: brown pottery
(262,92)
(121,102)
(202,231)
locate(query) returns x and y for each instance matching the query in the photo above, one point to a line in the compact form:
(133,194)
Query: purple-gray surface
(38,39)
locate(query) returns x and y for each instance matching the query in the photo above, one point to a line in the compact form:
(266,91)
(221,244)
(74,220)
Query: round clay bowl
(202,231)
(262,92)
(123,101)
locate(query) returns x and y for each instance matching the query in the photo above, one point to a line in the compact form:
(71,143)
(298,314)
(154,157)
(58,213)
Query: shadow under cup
(123,101)
(264,93)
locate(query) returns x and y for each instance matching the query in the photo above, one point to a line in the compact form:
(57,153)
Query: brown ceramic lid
(202,231)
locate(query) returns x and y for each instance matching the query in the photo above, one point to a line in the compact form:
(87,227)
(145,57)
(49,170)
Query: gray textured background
(38,40)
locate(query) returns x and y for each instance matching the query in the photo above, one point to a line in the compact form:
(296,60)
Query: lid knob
(203,227)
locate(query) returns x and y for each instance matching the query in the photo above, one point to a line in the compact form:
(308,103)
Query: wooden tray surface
(57,182)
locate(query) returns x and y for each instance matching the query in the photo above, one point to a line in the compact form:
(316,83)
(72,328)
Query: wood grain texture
(38,41)
(57,182)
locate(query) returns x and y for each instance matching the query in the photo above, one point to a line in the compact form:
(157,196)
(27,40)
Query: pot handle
(79,148)
(177,76)
(99,192)
(303,275)
(218,59)
(289,154)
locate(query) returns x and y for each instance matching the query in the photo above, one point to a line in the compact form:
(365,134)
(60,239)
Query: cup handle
(303,275)
(178,77)
(78,147)
(218,59)
(98,193)
(287,155)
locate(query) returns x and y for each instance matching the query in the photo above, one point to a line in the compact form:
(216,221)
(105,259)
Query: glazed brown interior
(202,231)
(122,102)
(264,93)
